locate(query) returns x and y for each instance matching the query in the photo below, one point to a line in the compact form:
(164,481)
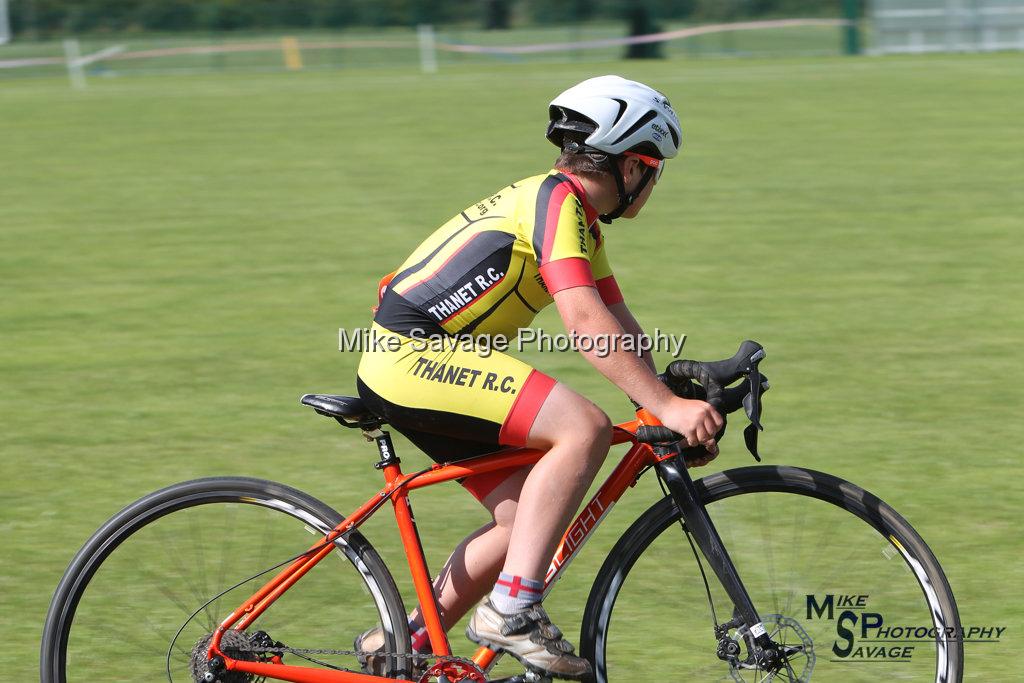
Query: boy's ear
(629,168)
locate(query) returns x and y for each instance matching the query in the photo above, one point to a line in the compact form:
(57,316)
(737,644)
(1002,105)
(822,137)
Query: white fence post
(5,23)
(428,48)
(73,57)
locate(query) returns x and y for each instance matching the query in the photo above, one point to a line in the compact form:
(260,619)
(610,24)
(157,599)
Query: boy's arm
(585,314)
(632,329)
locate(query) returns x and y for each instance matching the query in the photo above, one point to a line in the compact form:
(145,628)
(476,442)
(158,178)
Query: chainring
(454,670)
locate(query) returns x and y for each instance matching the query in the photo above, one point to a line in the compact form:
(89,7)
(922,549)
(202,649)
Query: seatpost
(386,448)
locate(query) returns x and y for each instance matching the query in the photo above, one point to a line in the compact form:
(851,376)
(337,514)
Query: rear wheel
(828,565)
(144,594)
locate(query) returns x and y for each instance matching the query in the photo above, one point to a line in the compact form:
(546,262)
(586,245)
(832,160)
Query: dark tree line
(46,17)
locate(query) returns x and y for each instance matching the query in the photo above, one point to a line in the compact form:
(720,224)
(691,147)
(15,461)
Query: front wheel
(837,576)
(141,598)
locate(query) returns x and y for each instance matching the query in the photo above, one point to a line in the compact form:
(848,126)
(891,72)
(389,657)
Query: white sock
(514,593)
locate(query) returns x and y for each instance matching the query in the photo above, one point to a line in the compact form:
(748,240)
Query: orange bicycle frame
(396,489)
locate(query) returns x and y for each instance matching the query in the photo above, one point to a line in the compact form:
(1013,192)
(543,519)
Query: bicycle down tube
(638,458)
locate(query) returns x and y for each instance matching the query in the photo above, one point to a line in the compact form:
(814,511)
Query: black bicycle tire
(149,508)
(746,480)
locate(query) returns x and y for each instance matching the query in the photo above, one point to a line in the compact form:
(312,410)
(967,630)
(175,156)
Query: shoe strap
(522,622)
(536,622)
(555,647)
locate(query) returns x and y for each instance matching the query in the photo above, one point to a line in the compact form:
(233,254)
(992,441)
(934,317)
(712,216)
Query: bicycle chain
(351,653)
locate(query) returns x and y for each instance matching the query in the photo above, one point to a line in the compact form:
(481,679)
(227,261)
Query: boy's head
(610,129)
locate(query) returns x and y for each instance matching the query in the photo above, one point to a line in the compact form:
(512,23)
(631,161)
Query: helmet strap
(625,200)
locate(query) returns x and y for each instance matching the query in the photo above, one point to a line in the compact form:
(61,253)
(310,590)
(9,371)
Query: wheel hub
(791,657)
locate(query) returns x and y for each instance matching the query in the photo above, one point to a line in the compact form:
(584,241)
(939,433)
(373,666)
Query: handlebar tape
(714,375)
(654,434)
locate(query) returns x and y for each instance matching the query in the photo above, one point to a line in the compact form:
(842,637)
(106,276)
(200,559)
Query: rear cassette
(234,644)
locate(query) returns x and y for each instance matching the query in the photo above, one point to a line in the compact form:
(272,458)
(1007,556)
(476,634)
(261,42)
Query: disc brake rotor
(795,647)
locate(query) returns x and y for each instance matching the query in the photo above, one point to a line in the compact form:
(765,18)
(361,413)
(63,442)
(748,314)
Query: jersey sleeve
(560,242)
(603,277)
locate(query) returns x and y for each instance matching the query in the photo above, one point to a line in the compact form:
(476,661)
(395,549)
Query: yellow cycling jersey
(493,267)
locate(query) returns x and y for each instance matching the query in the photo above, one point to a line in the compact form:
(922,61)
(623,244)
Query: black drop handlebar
(714,378)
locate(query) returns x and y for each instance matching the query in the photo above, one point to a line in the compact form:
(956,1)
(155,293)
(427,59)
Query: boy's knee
(505,517)
(591,427)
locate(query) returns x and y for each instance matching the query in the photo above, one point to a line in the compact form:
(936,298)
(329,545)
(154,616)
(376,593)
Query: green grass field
(178,253)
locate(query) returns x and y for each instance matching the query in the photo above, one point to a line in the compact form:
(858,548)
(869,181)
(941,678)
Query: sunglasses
(657,164)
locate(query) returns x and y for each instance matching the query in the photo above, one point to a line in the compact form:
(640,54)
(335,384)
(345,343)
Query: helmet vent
(622,110)
(675,136)
(640,123)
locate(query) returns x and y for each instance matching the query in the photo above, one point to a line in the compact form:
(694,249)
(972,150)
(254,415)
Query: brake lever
(752,406)
(752,401)
(750,438)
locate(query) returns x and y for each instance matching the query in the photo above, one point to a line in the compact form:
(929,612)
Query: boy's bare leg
(532,508)
(576,435)
(473,566)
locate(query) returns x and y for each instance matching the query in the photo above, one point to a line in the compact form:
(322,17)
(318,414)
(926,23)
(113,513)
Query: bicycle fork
(673,471)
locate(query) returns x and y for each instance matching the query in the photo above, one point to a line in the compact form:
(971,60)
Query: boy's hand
(712,453)
(696,420)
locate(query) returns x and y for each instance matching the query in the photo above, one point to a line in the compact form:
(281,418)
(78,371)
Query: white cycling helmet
(608,116)
(615,115)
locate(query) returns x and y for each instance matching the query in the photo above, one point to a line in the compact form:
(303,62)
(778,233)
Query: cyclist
(488,271)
